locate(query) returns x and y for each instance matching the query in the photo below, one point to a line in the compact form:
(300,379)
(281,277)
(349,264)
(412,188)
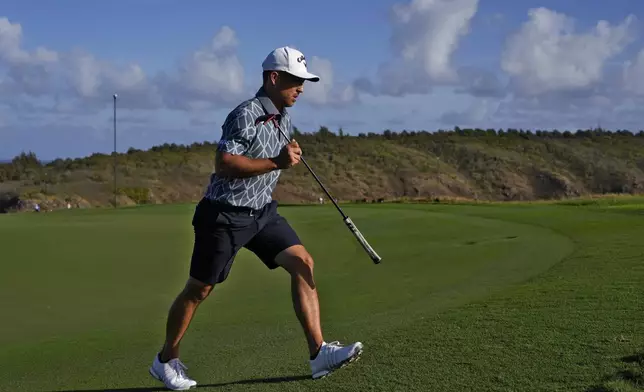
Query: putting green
(85,293)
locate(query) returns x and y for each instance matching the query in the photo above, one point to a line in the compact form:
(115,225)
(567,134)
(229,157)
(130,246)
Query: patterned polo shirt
(246,133)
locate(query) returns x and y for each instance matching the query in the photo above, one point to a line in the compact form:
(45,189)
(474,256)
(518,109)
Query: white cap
(288,60)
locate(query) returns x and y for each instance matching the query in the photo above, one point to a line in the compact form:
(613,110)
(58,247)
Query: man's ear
(273,77)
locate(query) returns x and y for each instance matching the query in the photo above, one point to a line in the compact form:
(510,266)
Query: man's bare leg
(180,315)
(299,264)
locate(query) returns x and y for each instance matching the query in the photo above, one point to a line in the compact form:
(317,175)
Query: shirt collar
(268,105)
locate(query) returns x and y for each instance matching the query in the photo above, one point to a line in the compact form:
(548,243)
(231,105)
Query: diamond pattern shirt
(245,132)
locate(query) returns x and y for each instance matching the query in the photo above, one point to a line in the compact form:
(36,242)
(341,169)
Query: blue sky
(179,67)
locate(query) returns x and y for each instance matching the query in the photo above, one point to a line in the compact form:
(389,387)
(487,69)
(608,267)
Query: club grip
(372,253)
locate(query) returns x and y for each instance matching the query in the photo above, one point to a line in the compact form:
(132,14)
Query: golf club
(347,220)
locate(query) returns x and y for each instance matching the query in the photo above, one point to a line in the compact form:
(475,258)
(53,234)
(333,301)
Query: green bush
(139,195)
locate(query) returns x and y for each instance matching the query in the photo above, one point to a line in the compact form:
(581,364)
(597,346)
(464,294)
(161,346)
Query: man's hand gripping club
(289,156)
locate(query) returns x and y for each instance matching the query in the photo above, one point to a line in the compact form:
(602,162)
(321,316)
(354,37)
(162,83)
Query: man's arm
(237,134)
(239,166)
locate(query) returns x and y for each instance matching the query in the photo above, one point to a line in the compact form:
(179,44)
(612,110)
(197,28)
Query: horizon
(532,132)
(414,65)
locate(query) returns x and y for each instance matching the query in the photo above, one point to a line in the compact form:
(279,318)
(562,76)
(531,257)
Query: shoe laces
(331,359)
(179,368)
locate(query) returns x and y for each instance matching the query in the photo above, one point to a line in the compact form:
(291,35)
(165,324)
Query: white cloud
(84,74)
(210,76)
(633,75)
(90,77)
(546,54)
(476,115)
(27,73)
(348,94)
(69,79)
(562,77)
(86,82)
(11,51)
(224,40)
(215,70)
(318,92)
(428,32)
(326,91)
(80,81)
(479,82)
(77,78)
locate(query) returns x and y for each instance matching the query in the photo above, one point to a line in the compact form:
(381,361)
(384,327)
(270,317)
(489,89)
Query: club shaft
(323,188)
(374,256)
(344,216)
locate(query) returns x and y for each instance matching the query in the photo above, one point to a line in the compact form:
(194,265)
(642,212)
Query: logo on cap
(301,59)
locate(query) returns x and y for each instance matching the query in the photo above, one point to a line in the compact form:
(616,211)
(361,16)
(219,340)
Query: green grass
(519,297)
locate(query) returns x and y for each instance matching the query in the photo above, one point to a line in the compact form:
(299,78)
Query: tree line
(26,165)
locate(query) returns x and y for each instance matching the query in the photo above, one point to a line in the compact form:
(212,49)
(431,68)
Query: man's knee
(304,263)
(297,261)
(197,291)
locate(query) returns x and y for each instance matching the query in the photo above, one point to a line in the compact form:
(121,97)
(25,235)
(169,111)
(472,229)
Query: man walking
(238,211)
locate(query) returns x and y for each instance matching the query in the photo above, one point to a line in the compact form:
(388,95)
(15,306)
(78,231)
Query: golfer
(237,211)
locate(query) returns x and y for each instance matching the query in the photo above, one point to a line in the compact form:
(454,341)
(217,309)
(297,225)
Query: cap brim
(306,76)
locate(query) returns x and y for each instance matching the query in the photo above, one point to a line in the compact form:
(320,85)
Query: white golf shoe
(334,356)
(172,374)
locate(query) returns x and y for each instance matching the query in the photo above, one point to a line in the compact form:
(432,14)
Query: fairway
(486,298)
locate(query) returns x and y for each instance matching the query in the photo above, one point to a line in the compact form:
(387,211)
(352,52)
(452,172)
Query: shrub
(139,195)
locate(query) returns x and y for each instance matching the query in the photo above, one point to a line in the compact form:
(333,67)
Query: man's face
(288,87)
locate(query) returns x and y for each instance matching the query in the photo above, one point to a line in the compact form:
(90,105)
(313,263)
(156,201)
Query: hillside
(462,163)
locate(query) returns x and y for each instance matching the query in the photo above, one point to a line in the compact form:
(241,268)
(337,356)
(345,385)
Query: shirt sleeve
(237,133)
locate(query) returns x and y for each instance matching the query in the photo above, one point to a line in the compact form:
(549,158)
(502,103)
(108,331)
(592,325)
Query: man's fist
(289,156)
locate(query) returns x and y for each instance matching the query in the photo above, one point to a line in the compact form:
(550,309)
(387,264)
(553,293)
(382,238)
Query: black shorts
(221,230)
